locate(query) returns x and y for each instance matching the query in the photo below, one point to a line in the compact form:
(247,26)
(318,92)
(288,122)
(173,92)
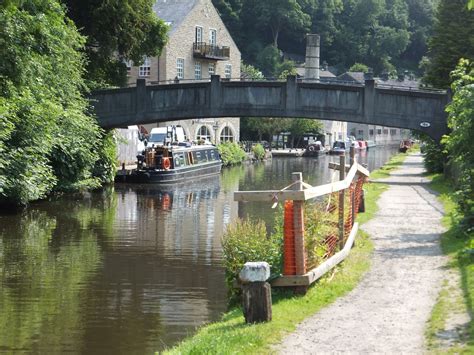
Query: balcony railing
(210,51)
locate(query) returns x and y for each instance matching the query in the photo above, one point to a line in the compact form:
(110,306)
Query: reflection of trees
(47,256)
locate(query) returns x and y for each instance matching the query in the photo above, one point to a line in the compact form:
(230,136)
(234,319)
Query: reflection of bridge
(392,107)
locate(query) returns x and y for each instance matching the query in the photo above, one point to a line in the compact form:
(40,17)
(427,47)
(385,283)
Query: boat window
(212,155)
(179,159)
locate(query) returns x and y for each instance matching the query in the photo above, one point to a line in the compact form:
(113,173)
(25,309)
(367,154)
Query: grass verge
(233,335)
(458,297)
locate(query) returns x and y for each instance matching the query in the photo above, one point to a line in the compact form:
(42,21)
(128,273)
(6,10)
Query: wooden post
(342,175)
(353,209)
(256,292)
(298,226)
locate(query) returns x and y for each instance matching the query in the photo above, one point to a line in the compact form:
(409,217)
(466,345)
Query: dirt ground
(387,312)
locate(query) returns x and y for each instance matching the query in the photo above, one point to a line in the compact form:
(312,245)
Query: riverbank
(450,328)
(232,335)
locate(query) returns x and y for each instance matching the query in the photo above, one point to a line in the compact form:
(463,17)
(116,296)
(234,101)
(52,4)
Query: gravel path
(388,310)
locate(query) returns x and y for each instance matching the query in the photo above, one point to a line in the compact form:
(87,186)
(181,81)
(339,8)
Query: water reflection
(133,268)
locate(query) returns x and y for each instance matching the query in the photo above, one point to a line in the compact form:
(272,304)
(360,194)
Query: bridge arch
(414,109)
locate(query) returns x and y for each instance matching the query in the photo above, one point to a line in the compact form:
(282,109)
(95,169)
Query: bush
(246,240)
(231,153)
(258,152)
(435,157)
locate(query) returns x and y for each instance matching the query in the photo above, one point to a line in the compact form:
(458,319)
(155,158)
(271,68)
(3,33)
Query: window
(228,71)
(180,68)
(360,132)
(197,70)
(212,37)
(227,135)
(144,69)
(198,34)
(203,133)
(385,131)
(371,132)
(212,69)
(379,131)
(393,132)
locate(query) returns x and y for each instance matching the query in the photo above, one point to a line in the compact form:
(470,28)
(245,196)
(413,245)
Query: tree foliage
(116,30)
(48,142)
(452,40)
(459,142)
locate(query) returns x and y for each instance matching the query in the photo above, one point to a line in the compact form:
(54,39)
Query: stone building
(199,46)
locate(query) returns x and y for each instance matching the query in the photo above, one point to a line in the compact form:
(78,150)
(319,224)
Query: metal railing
(210,51)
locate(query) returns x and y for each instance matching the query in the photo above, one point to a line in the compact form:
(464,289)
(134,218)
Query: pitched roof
(173,12)
(352,76)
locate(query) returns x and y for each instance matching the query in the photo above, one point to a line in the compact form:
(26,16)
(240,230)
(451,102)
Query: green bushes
(48,141)
(231,153)
(245,241)
(258,152)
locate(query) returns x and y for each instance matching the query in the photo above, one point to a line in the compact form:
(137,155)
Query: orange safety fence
(289,257)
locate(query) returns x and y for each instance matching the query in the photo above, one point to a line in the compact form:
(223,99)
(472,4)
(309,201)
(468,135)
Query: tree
(451,41)
(47,141)
(359,67)
(277,15)
(300,126)
(116,30)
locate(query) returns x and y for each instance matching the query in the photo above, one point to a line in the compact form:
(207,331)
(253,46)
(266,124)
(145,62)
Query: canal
(132,268)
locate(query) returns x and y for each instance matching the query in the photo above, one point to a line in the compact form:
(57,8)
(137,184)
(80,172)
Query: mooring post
(256,292)
(298,226)
(342,176)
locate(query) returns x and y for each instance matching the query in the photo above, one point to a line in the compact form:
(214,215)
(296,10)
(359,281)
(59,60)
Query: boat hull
(161,176)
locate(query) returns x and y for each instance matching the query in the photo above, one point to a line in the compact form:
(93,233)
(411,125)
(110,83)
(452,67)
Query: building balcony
(210,51)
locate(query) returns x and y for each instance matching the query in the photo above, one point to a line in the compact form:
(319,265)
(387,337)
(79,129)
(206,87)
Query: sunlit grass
(458,246)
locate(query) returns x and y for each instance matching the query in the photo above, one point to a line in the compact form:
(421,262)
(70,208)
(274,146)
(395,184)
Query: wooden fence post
(353,207)
(298,226)
(342,175)
(256,292)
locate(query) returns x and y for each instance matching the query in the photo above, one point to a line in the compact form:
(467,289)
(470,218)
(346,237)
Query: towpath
(388,310)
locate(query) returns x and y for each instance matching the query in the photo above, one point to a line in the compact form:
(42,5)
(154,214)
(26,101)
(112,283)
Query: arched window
(227,135)
(203,133)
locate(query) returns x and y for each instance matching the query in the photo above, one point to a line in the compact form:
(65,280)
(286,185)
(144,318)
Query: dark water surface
(133,268)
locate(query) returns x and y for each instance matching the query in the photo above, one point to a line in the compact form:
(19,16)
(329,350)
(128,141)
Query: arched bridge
(393,107)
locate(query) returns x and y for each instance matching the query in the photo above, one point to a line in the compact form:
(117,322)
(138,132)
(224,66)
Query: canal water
(132,268)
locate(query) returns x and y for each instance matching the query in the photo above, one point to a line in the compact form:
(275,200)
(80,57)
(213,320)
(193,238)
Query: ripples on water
(133,268)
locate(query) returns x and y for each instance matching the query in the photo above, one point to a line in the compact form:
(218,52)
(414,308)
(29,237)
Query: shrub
(246,240)
(231,153)
(258,152)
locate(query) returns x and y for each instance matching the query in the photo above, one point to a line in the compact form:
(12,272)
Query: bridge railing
(330,230)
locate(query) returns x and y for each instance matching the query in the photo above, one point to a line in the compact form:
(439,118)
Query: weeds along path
(388,310)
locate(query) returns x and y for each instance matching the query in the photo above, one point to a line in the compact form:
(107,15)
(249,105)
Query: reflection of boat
(340,147)
(174,163)
(404,146)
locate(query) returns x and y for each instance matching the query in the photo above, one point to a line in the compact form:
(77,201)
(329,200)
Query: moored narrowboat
(176,163)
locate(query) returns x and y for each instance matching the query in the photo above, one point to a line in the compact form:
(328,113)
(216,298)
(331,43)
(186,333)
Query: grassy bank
(458,297)
(232,335)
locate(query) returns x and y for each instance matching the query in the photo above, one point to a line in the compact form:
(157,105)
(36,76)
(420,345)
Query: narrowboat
(174,163)
(340,147)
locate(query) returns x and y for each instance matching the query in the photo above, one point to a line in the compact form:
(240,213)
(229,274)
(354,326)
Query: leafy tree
(277,15)
(47,141)
(300,126)
(248,71)
(116,30)
(359,67)
(268,60)
(459,142)
(451,41)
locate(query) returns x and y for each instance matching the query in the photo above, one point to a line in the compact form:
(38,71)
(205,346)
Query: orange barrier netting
(289,259)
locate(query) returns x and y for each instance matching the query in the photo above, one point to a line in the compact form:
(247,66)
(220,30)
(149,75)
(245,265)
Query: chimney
(401,77)
(384,75)
(311,72)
